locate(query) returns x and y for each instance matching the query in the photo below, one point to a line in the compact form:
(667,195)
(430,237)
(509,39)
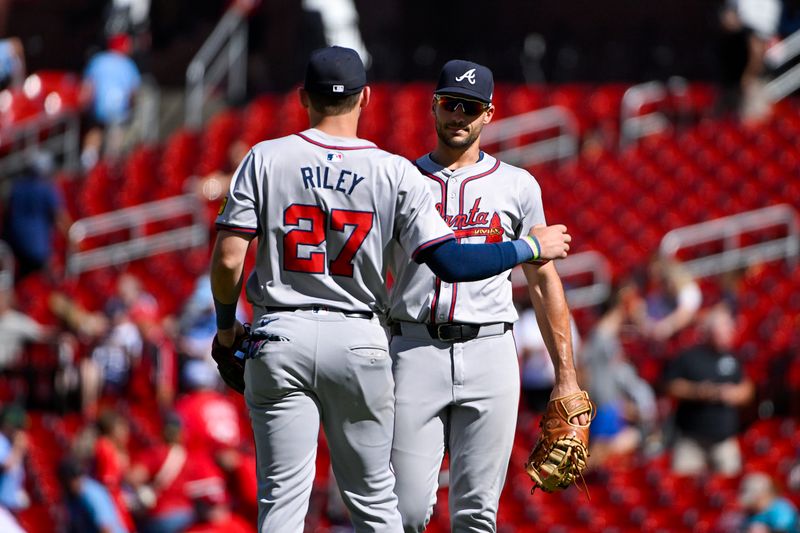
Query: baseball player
(325,206)
(455,364)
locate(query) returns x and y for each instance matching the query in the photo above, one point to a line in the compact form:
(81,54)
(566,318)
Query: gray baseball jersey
(325,210)
(489,201)
(459,396)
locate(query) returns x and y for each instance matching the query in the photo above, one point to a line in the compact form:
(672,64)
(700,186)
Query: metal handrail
(223,53)
(778,55)
(560,146)
(579,296)
(634,126)
(57,134)
(783,51)
(135,219)
(730,230)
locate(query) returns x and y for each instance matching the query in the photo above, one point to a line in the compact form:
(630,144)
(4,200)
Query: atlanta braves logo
(469,75)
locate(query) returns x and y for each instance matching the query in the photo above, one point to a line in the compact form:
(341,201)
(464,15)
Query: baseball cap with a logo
(467,79)
(335,70)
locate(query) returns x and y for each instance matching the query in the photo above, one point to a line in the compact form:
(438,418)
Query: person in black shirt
(709,386)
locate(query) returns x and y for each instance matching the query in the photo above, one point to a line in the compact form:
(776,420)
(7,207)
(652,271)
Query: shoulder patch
(222,205)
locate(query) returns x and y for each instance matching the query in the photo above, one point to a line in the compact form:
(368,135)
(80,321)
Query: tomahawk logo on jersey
(474,223)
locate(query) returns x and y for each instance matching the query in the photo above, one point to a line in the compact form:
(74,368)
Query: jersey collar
(485,162)
(332,142)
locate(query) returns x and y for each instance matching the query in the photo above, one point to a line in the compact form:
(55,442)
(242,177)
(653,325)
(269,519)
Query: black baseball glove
(230,367)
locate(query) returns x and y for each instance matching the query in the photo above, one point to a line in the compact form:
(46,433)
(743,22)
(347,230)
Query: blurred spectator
(626,403)
(35,208)
(197,322)
(214,185)
(168,478)
(767,510)
(709,386)
(17,329)
(130,294)
(130,17)
(111,80)
(12,63)
(213,428)
(90,507)
(671,303)
(536,367)
(210,419)
(112,460)
(87,326)
(216,517)
(13,451)
(750,25)
(156,377)
(107,371)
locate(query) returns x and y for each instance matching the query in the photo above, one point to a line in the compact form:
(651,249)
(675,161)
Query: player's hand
(553,240)
(226,337)
(566,387)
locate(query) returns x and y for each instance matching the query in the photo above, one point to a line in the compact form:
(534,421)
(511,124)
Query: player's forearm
(552,315)
(454,262)
(227,269)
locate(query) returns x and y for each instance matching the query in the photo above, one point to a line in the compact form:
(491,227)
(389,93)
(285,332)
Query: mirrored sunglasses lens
(469,107)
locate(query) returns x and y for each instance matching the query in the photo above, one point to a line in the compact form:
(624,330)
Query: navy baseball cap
(465,78)
(335,70)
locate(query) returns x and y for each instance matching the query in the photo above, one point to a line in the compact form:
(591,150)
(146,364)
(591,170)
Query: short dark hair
(329,104)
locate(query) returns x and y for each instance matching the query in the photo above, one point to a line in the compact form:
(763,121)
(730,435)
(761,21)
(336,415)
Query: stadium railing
(731,233)
(162,226)
(224,54)
(563,143)
(777,56)
(586,277)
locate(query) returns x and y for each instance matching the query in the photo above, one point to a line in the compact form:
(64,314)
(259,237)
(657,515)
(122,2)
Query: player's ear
(366,93)
(487,116)
(303,95)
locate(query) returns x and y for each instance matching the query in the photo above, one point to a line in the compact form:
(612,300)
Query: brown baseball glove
(229,366)
(560,454)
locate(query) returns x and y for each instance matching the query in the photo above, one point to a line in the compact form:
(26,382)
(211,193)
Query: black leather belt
(322,308)
(451,331)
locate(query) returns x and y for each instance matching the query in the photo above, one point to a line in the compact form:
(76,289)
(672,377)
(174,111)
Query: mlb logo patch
(338,88)
(335,156)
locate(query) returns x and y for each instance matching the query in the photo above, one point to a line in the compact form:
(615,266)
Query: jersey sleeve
(531,205)
(418,224)
(239,210)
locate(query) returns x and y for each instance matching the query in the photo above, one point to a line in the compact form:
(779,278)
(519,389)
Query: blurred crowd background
(665,136)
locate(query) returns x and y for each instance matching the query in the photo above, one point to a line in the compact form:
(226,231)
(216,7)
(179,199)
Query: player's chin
(457,139)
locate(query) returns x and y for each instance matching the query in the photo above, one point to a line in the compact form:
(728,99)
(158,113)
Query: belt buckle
(439,333)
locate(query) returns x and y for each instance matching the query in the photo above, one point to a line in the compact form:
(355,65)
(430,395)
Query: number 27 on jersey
(322,226)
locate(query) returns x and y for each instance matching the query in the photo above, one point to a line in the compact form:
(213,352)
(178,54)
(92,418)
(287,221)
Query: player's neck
(454,158)
(336,125)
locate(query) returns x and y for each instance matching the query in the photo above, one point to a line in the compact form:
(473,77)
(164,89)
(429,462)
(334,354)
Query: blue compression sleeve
(454,262)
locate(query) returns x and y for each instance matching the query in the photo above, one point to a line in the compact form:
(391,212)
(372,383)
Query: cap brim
(460,91)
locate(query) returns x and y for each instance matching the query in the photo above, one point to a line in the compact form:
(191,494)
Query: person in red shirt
(217,517)
(174,476)
(112,460)
(212,427)
(210,419)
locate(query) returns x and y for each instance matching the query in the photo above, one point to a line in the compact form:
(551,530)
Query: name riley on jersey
(327,178)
